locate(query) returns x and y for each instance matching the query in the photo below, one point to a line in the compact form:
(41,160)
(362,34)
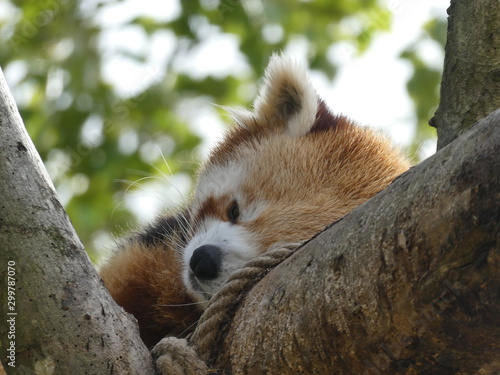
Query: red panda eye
(233,213)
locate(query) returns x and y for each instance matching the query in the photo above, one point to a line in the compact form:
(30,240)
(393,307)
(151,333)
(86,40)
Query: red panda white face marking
(284,172)
(214,254)
(221,243)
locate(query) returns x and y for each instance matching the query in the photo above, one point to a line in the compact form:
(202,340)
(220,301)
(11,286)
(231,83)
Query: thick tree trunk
(470,88)
(408,283)
(60,319)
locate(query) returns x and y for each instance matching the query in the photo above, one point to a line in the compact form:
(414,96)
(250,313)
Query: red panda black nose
(205,262)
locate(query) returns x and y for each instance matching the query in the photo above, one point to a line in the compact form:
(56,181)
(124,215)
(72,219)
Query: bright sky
(372,88)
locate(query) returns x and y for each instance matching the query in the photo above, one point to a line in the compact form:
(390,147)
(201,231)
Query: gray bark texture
(407,283)
(61,319)
(470,88)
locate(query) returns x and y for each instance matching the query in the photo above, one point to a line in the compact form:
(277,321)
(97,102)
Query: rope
(212,324)
(177,357)
(180,357)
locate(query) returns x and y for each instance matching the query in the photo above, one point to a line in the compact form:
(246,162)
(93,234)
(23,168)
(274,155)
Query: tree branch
(470,87)
(61,318)
(405,284)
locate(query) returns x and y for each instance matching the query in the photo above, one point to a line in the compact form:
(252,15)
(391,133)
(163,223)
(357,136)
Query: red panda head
(282,173)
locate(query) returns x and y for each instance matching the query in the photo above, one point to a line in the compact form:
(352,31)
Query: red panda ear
(286,100)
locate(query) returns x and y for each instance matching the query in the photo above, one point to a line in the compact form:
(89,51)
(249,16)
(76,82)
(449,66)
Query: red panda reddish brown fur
(285,171)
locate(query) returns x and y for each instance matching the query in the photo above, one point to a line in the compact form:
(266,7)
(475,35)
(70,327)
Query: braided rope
(214,320)
(182,357)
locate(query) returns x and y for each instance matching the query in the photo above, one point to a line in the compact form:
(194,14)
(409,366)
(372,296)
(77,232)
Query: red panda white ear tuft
(287,99)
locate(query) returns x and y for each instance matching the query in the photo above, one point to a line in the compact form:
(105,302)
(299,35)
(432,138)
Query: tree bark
(408,283)
(61,320)
(470,88)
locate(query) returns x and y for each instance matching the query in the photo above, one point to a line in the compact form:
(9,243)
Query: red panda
(283,172)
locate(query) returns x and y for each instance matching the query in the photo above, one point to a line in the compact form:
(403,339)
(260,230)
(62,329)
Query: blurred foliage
(423,86)
(91,136)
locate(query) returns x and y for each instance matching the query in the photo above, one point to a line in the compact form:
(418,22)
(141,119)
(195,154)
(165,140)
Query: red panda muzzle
(205,262)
